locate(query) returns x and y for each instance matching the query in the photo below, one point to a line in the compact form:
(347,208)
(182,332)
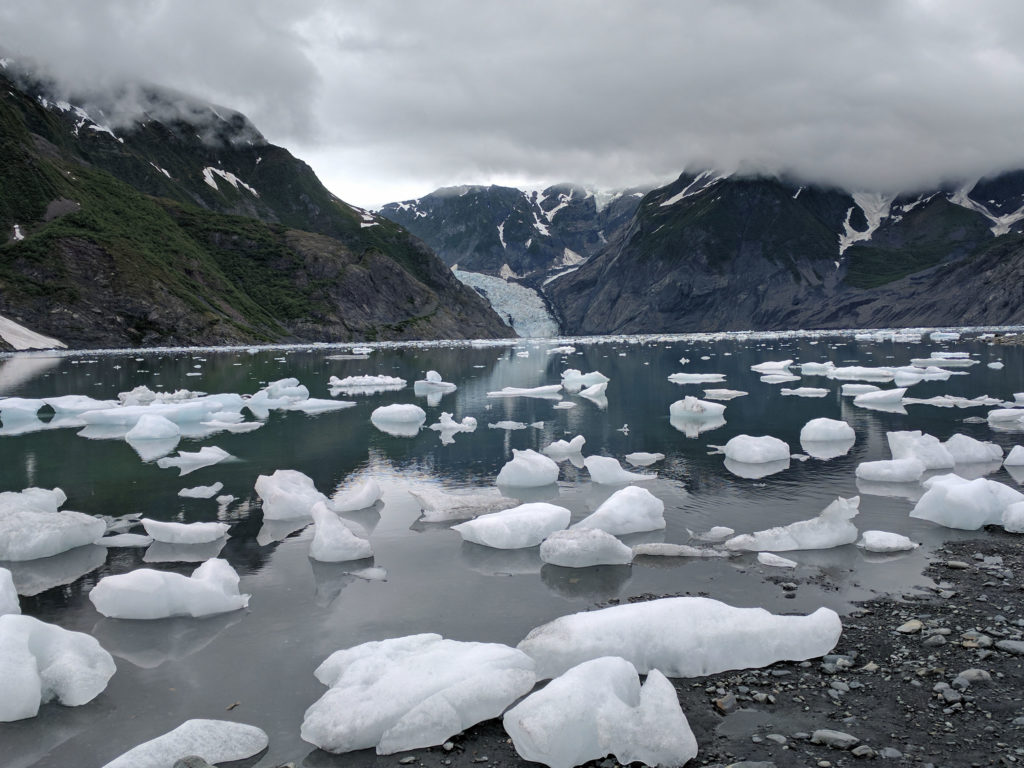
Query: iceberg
(770,367)
(564,350)
(147,594)
(606,470)
(9,602)
(643,459)
(125,540)
(967,450)
(524,526)
(363,494)
(364,385)
(599,708)
(746,449)
(32,526)
(13,409)
(399,419)
(333,541)
(151,426)
(549,392)
(883,541)
(852,390)
(892,471)
(584,547)
(184,533)
(508,425)
(42,662)
(215,741)
(817,369)
(881,398)
(861,373)
(1006,417)
(528,469)
(412,692)
(313,405)
(954,502)
(574,381)
(1013,518)
(774,561)
(778,378)
(190,462)
(287,495)
(826,431)
(628,510)
(1015,458)
(201,491)
(441,506)
(832,528)
(804,392)
(681,637)
(723,394)
(560,450)
(925,448)
(697,378)
(692,416)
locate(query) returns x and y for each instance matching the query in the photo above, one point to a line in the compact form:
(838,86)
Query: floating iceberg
(723,394)
(817,369)
(628,510)
(774,561)
(524,526)
(152,427)
(561,449)
(770,367)
(826,431)
(925,448)
(804,392)
(861,373)
(584,547)
(508,425)
(1015,458)
(1013,518)
(692,416)
(72,405)
(364,385)
(184,533)
(832,528)
(778,378)
(574,381)
(881,398)
(287,495)
(883,541)
(9,602)
(954,502)
(433,388)
(746,449)
(412,692)
(697,378)
(967,450)
(565,350)
(313,405)
(149,594)
(42,662)
(441,506)
(607,471)
(201,491)
(549,392)
(363,494)
(399,419)
(216,741)
(681,637)
(333,541)
(892,471)
(1006,417)
(852,390)
(599,708)
(32,527)
(13,409)
(528,469)
(643,459)
(190,462)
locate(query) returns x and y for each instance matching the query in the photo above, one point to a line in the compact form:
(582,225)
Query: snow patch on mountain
(501,234)
(1001,224)
(702,181)
(875,207)
(571,258)
(20,337)
(209,172)
(521,307)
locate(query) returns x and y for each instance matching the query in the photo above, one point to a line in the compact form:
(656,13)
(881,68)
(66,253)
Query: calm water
(262,658)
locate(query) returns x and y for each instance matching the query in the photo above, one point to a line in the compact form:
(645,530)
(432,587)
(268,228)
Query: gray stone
(834,739)
(975,675)
(1015,647)
(726,704)
(778,738)
(889,753)
(409,760)
(448,746)
(957,565)
(951,696)
(863,751)
(912,627)
(934,641)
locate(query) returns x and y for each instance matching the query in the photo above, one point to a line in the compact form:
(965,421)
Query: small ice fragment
(440,506)
(215,741)
(362,495)
(775,561)
(584,547)
(399,419)
(287,495)
(524,526)
(883,541)
(201,491)
(832,528)
(643,459)
(528,469)
(892,471)
(184,533)
(628,510)
(333,541)
(804,392)
(606,470)
(125,540)
(747,449)
(190,462)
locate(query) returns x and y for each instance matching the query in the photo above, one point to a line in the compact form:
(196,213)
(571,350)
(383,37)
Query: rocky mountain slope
(183,225)
(507,231)
(713,252)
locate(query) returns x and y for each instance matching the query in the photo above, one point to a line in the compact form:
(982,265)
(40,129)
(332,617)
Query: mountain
(716,252)
(507,231)
(180,224)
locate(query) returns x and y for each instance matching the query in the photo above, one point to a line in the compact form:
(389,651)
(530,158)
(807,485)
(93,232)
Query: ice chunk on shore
(574,381)
(925,448)
(1013,518)
(826,431)
(148,594)
(201,491)
(628,510)
(832,528)
(399,419)
(9,602)
(32,527)
(644,459)
(681,637)
(584,547)
(440,506)
(287,495)
(561,449)
(189,462)
(883,541)
(954,502)
(967,450)
(363,494)
(599,708)
(550,392)
(892,471)
(524,526)
(756,450)
(412,692)
(42,662)
(216,741)
(606,470)
(774,561)
(528,469)
(184,533)
(1015,458)
(333,541)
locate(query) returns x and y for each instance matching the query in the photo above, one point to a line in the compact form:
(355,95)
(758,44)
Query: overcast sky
(389,99)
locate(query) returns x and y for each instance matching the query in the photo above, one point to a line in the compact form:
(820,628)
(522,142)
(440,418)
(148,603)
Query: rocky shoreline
(929,678)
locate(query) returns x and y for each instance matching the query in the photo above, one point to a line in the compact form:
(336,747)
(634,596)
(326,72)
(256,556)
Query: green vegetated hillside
(187,227)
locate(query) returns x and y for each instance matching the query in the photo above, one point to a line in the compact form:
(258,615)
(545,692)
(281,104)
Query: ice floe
(412,692)
(606,470)
(187,462)
(692,416)
(201,491)
(573,380)
(891,471)
(399,419)
(1015,458)
(643,458)
(697,378)
(333,541)
(967,450)
(723,394)
(287,495)
(440,506)
(32,525)
(215,741)
(433,387)
(628,510)
(832,528)
(147,594)
(528,469)
(883,541)
(772,367)
(584,547)
(599,708)
(560,450)
(363,494)
(861,373)
(125,540)
(524,526)
(42,662)
(681,637)
(364,385)
(804,392)
(547,392)
(955,502)
(184,533)
(912,444)
(747,449)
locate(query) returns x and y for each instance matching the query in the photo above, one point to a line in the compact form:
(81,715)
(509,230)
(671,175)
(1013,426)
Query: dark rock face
(483,229)
(185,226)
(708,253)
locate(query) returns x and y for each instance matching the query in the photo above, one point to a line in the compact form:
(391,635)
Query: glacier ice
(817,369)
(32,525)
(954,502)
(831,528)
(13,409)
(804,392)
(125,540)
(883,541)
(925,448)
(681,637)
(151,426)
(433,388)
(861,373)
(770,367)
(189,462)
(778,378)
(825,431)
(573,380)
(774,561)
(184,533)
(9,602)
(967,450)
(628,510)
(852,390)
(1013,518)
(216,741)
(692,416)
(723,394)
(560,450)
(643,458)
(1004,417)
(881,398)
(287,495)
(599,708)
(697,378)
(364,385)
(528,469)
(747,449)
(42,662)
(147,594)
(333,541)
(584,547)
(399,419)
(449,427)
(524,526)
(1015,458)
(411,692)
(508,425)
(363,494)
(891,471)
(549,392)
(313,405)
(440,506)
(201,491)
(606,470)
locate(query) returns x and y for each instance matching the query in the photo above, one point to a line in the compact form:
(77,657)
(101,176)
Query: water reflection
(827,449)
(34,576)
(148,644)
(756,471)
(501,562)
(596,583)
(162,552)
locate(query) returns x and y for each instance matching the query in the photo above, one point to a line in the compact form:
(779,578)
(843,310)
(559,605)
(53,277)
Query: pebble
(778,738)
(934,641)
(409,760)
(834,739)
(863,751)
(448,746)
(1015,647)
(957,565)
(912,627)
(890,754)
(726,704)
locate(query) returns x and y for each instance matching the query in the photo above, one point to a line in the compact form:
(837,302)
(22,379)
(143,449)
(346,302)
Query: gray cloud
(393,98)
